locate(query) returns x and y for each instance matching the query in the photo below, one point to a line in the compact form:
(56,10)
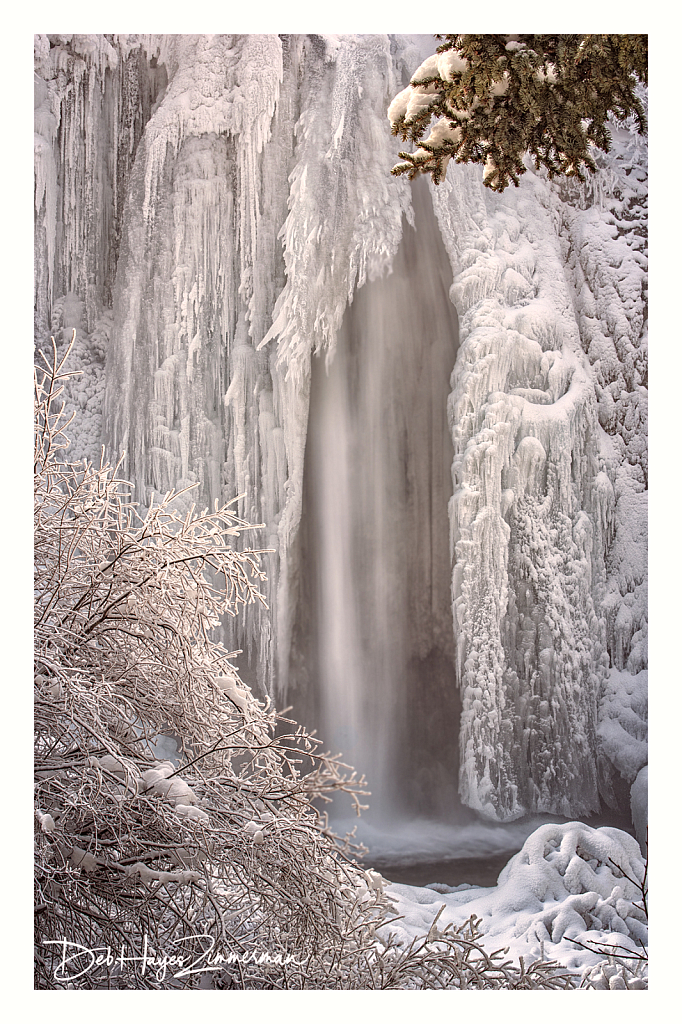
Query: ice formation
(210,213)
(548,515)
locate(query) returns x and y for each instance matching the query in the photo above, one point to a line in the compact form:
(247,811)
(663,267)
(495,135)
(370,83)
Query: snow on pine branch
(499,98)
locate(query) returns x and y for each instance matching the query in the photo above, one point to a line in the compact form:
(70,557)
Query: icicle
(344,219)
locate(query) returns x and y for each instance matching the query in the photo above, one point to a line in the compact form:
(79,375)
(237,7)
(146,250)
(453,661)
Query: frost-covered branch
(622,966)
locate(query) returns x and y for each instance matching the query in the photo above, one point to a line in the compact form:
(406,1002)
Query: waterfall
(457,578)
(376,491)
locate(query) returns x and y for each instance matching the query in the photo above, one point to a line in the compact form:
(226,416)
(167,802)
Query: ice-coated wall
(548,517)
(207,207)
(256,203)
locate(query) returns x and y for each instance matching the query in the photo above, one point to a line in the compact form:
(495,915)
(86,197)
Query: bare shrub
(222,861)
(621,966)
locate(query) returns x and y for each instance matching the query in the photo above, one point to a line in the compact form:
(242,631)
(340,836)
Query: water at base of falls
(373,665)
(420,851)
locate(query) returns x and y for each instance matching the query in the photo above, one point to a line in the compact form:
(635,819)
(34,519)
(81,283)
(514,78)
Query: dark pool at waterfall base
(482,871)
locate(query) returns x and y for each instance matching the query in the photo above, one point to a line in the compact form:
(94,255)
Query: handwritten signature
(77,960)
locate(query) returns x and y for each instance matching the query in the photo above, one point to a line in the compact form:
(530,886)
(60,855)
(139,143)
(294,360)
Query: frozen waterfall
(376,622)
(457,583)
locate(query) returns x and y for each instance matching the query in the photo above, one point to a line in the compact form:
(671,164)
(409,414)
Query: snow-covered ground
(562,885)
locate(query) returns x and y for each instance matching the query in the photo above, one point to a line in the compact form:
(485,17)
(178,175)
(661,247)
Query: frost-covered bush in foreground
(222,859)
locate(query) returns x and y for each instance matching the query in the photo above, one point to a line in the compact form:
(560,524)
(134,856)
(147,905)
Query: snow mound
(568,882)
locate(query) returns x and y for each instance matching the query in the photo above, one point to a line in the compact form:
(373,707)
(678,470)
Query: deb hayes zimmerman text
(73,960)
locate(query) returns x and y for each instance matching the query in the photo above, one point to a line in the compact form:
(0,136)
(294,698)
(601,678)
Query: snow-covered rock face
(523,414)
(206,209)
(548,515)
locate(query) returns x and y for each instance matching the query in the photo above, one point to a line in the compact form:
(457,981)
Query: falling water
(375,528)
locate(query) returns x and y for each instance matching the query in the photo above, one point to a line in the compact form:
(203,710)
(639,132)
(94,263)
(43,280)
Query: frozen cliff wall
(93,97)
(256,201)
(206,209)
(548,518)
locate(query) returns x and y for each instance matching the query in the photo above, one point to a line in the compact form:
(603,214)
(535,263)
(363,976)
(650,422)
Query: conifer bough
(497,98)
